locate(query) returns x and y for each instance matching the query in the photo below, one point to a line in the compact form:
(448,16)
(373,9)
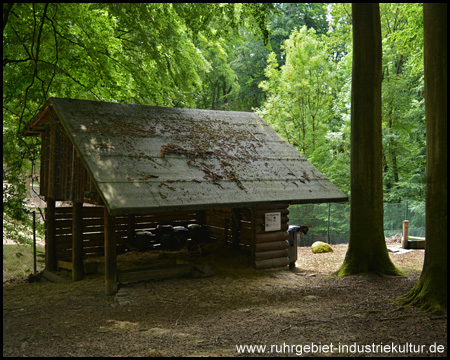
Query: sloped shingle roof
(147,158)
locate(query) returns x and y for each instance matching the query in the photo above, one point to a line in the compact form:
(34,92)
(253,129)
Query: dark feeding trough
(143,240)
(168,237)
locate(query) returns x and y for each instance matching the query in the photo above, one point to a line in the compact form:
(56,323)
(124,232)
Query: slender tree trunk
(367,250)
(392,150)
(430,291)
(301,108)
(213,106)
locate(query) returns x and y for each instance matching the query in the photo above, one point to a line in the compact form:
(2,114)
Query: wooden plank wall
(72,181)
(219,224)
(93,228)
(271,247)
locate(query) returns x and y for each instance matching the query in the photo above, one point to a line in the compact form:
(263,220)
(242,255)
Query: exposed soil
(209,316)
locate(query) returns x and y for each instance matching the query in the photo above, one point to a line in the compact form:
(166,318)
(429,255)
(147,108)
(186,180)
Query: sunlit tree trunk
(430,292)
(367,250)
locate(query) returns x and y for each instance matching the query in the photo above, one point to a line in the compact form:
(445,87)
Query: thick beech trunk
(367,250)
(430,291)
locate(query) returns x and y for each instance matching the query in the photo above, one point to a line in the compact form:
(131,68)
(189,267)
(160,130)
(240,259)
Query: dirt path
(237,306)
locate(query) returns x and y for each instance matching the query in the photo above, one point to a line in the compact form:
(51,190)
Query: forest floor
(301,312)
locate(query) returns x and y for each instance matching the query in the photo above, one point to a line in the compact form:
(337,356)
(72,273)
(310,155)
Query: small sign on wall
(273,221)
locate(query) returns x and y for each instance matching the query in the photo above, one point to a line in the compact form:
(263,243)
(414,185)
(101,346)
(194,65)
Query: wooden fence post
(50,258)
(50,254)
(405,234)
(236,227)
(77,241)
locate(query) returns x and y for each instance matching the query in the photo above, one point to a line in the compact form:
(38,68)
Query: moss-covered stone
(321,247)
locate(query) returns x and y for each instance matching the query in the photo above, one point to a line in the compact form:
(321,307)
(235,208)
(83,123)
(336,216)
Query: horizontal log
(53,277)
(87,246)
(87,252)
(95,230)
(67,253)
(218,233)
(90,267)
(271,246)
(271,263)
(67,223)
(91,221)
(218,222)
(271,236)
(63,210)
(261,221)
(64,264)
(243,227)
(166,219)
(97,212)
(222,224)
(262,214)
(94,211)
(271,254)
(67,238)
(186,213)
(261,230)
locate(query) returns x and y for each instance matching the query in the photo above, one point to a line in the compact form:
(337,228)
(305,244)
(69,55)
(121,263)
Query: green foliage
(308,98)
(134,53)
(18,261)
(403,108)
(143,53)
(295,16)
(220,82)
(248,57)
(21,230)
(300,99)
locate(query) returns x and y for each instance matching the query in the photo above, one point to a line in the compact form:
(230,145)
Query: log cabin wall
(270,248)
(225,224)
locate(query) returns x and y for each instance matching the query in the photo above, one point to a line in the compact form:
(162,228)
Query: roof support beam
(77,241)
(50,254)
(50,259)
(236,227)
(110,255)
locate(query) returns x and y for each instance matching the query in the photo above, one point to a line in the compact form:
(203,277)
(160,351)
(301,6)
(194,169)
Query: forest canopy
(291,63)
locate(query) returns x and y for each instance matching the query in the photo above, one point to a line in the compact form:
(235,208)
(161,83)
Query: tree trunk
(213,106)
(367,250)
(430,291)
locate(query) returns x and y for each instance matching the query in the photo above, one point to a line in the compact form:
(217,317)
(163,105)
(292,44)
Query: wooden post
(50,257)
(236,227)
(130,230)
(77,241)
(50,254)
(201,217)
(225,233)
(405,234)
(110,255)
(253,240)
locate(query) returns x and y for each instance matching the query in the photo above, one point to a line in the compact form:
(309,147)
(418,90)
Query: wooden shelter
(139,166)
